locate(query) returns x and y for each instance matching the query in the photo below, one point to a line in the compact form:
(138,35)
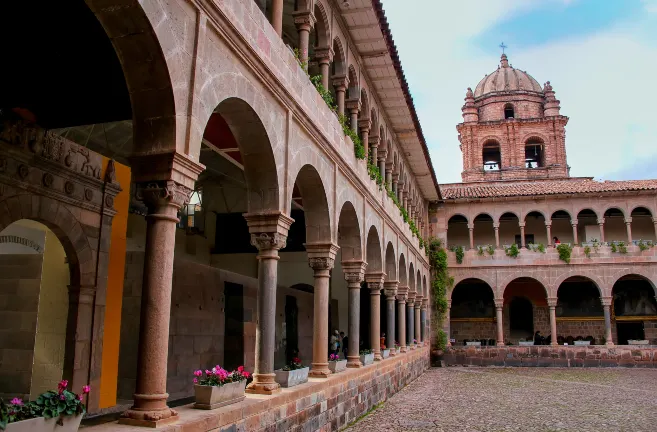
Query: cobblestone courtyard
(521,399)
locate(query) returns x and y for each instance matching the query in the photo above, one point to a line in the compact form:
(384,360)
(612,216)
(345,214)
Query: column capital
(606,301)
(499,303)
(395,178)
(390,288)
(157,194)
(411,295)
(340,82)
(628,220)
(449,304)
(574,222)
(165,167)
(383,153)
(354,271)
(402,292)
(354,105)
(373,140)
(375,280)
(521,224)
(321,256)
(365,124)
(552,301)
(304,20)
(471,226)
(654,220)
(601,221)
(496,226)
(268,230)
(425,302)
(548,223)
(324,55)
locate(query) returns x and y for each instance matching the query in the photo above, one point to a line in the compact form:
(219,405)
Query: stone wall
(582,328)
(196,330)
(328,405)
(547,356)
(20,282)
(461,330)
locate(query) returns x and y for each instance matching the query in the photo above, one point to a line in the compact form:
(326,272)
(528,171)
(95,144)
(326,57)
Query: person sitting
(538,339)
(556,241)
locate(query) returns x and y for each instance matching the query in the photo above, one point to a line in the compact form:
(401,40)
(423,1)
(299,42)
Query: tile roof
(569,186)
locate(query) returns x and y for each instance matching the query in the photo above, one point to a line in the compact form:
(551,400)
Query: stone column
(400,189)
(606,307)
(354,273)
(423,320)
(324,57)
(354,111)
(389,175)
(628,227)
(321,258)
(375,285)
(601,224)
(163,200)
(410,320)
(573,223)
(471,234)
(268,234)
(277,16)
(548,227)
(401,316)
(418,322)
(496,227)
(522,235)
(499,304)
(374,149)
(390,288)
(365,126)
(304,21)
(395,181)
(382,161)
(340,84)
(654,222)
(552,304)
(448,324)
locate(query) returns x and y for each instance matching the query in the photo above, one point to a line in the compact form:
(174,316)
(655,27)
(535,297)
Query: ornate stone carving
(265,241)
(110,172)
(69,187)
(88,194)
(155,194)
(23,171)
(375,286)
(320,263)
(47,179)
(354,271)
(109,201)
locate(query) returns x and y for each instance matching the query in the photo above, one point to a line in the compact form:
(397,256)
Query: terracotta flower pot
(292,378)
(337,365)
(211,397)
(40,424)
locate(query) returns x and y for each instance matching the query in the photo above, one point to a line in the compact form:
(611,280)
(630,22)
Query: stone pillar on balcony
(321,258)
(601,224)
(628,228)
(268,234)
(324,57)
(365,125)
(522,235)
(340,83)
(389,167)
(383,153)
(395,186)
(354,106)
(304,22)
(606,307)
(496,227)
(410,319)
(499,305)
(375,285)
(373,155)
(418,316)
(390,289)
(402,293)
(552,304)
(277,16)
(405,199)
(354,273)
(471,234)
(573,223)
(548,228)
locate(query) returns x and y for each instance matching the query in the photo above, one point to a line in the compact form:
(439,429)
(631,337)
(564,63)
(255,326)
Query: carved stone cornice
(354,271)
(157,194)
(365,124)
(390,288)
(340,82)
(321,263)
(268,230)
(304,20)
(353,104)
(324,55)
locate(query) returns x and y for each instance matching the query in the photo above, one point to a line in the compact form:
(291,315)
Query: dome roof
(506,79)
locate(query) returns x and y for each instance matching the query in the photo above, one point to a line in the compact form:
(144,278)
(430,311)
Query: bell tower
(512,129)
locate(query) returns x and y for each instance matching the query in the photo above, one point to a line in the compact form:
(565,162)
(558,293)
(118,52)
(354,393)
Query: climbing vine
(442,281)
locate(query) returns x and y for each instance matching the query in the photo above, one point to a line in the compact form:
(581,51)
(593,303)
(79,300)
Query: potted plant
(366,357)
(292,374)
(397,347)
(219,387)
(61,411)
(385,352)
(335,364)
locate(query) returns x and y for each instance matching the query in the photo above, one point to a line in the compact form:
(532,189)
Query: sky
(599,55)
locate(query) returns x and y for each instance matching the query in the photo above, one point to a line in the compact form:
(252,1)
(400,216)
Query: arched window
(508,111)
(534,157)
(491,156)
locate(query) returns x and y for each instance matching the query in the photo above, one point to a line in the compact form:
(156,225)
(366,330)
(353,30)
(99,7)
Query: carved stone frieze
(266,241)
(321,263)
(159,193)
(48,179)
(354,271)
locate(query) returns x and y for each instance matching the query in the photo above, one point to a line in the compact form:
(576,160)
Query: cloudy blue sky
(599,55)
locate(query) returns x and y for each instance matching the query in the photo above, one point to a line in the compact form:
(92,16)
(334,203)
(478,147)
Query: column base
(609,344)
(150,418)
(554,344)
(393,352)
(319,370)
(403,349)
(354,362)
(263,384)
(500,344)
(377,357)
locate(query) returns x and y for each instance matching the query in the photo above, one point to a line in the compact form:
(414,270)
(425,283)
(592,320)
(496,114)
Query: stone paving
(521,399)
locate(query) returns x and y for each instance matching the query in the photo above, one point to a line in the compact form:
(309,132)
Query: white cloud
(605,81)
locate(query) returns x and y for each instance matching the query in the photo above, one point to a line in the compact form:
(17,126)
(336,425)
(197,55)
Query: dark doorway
(291,328)
(629,331)
(364,318)
(234,326)
(521,318)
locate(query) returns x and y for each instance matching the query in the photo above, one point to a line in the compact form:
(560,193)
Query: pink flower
(198,373)
(16,401)
(240,369)
(62,386)
(62,397)
(86,389)
(245,374)
(80,398)
(208,372)
(195,380)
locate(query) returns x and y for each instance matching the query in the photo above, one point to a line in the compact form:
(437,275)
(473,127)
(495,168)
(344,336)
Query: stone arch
(257,151)
(483,213)
(322,25)
(354,87)
(374,251)
(418,283)
(583,273)
(315,204)
(403,280)
(637,205)
(339,58)
(457,213)
(533,210)
(349,238)
(365,103)
(461,277)
(614,207)
(499,214)
(391,264)
(536,136)
(556,286)
(580,208)
(425,288)
(503,285)
(615,277)
(411,277)
(561,209)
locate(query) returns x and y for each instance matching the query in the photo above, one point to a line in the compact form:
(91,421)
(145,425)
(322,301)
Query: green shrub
(564,252)
(512,251)
(587,251)
(490,250)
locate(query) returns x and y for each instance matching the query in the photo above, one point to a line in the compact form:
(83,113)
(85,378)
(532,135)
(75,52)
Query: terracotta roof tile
(540,187)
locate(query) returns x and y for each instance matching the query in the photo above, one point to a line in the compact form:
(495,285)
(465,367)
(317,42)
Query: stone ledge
(329,403)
